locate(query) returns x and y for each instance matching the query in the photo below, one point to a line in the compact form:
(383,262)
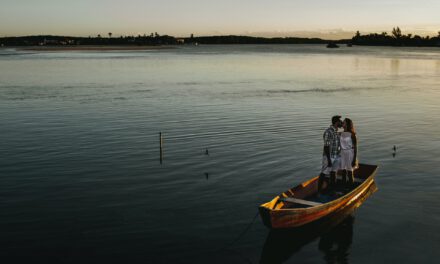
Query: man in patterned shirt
(331,155)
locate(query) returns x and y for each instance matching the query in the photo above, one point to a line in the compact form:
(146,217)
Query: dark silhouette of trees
(61,40)
(395,39)
(155,39)
(231,39)
(397,33)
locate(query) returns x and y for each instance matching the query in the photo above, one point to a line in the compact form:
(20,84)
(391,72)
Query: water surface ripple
(81,180)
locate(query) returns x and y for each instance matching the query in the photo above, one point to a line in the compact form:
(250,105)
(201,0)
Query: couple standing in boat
(340,152)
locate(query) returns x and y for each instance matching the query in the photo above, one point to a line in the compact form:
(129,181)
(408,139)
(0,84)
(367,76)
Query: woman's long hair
(350,126)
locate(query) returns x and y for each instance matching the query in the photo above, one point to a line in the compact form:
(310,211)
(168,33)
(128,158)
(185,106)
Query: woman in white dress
(348,151)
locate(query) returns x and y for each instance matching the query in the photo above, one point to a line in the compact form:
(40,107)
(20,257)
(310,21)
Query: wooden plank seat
(299,201)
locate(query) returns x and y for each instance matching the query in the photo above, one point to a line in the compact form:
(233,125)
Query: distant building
(180,41)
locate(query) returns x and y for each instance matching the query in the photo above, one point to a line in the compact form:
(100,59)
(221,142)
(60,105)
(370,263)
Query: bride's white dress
(347,151)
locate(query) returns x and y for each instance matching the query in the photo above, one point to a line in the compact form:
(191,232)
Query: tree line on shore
(231,39)
(152,40)
(396,38)
(48,40)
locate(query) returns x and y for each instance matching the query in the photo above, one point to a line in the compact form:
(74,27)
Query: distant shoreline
(156,41)
(90,48)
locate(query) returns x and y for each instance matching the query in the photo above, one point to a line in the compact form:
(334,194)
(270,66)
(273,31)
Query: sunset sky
(306,18)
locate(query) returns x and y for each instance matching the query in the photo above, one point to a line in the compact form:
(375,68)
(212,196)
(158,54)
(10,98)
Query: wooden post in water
(161,146)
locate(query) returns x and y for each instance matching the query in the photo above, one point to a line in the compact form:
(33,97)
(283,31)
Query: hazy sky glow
(320,18)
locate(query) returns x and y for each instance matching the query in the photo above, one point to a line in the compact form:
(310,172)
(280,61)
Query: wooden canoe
(302,205)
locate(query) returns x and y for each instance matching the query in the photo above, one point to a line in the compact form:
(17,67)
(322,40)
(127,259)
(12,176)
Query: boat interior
(306,194)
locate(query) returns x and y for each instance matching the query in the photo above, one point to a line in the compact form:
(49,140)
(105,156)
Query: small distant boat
(332,45)
(302,205)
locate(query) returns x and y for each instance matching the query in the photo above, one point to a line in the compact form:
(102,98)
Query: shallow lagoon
(80,174)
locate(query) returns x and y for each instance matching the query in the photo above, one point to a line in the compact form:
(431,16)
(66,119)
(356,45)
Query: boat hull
(276,218)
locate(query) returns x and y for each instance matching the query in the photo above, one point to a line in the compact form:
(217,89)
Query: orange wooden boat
(302,205)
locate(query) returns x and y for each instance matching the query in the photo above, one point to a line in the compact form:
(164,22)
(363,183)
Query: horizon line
(329,33)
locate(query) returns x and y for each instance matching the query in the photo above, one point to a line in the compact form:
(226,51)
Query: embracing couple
(340,152)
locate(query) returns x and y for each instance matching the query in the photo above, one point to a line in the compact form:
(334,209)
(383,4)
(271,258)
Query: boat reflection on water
(336,242)
(335,234)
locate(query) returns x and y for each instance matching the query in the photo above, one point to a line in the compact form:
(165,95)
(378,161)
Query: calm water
(81,182)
